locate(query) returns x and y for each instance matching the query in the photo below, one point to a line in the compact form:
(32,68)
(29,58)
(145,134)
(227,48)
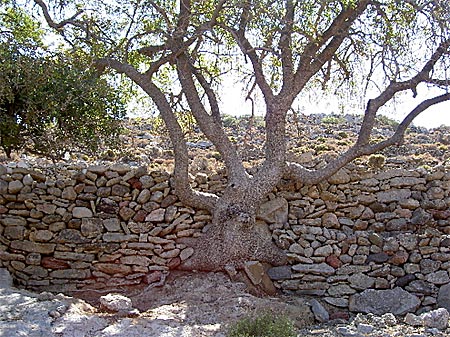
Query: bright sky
(233,103)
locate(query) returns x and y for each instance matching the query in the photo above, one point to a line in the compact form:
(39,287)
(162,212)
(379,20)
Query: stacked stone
(363,231)
(102,226)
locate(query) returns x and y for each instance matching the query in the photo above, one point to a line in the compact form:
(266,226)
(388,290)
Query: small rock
(116,302)
(436,319)
(320,313)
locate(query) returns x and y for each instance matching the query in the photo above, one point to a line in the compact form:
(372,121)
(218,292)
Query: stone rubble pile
(348,239)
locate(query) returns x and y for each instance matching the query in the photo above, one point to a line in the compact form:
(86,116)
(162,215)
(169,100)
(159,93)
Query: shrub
(265,325)
(333,120)
(376,161)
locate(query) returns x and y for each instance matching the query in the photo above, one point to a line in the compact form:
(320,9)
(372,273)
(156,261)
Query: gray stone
(320,313)
(16,221)
(33,247)
(69,193)
(15,186)
(82,212)
(379,302)
(274,211)
(6,280)
(144,196)
(422,287)
(70,236)
(91,227)
(361,281)
(156,216)
(393,195)
(112,224)
(436,319)
(186,253)
(320,269)
(337,302)
(443,300)
(280,273)
(439,277)
(420,217)
(116,302)
(341,290)
(135,260)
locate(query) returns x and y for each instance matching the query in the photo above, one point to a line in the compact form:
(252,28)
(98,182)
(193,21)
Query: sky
(233,103)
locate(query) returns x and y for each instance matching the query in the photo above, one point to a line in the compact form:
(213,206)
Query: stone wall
(103,227)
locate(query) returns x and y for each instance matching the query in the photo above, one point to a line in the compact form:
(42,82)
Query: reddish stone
(340,315)
(135,183)
(152,277)
(3,210)
(53,263)
(169,200)
(333,261)
(124,204)
(399,258)
(140,216)
(173,263)
(440,215)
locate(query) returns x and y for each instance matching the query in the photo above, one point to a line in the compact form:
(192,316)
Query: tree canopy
(51,102)
(178,52)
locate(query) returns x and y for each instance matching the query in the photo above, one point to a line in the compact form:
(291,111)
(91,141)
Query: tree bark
(233,238)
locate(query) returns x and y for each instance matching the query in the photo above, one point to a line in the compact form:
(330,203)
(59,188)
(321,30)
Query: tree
(50,104)
(177,51)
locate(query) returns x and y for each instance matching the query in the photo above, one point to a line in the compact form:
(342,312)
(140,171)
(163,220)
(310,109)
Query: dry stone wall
(359,235)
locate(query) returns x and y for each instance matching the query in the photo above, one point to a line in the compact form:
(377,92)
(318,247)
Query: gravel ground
(187,305)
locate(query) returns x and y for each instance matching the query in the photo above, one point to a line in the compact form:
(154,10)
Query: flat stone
(33,247)
(91,227)
(320,313)
(113,268)
(70,274)
(393,194)
(337,301)
(443,299)
(186,253)
(274,211)
(379,302)
(82,212)
(156,216)
(70,236)
(439,277)
(321,269)
(53,263)
(280,273)
(135,260)
(13,221)
(361,281)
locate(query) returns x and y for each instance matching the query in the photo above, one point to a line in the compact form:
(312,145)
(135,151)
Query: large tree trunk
(233,238)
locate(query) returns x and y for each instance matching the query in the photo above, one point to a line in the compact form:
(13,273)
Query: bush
(376,161)
(265,325)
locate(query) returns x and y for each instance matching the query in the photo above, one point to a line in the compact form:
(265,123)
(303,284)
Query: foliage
(334,120)
(51,104)
(265,325)
(376,161)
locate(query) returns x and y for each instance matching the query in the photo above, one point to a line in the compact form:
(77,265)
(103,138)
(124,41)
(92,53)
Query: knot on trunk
(238,214)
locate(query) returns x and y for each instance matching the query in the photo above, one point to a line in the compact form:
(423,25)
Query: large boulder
(379,302)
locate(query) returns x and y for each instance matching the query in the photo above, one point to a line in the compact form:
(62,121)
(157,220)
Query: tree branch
(181,171)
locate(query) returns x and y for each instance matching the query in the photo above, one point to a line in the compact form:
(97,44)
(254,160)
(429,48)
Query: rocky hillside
(313,139)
